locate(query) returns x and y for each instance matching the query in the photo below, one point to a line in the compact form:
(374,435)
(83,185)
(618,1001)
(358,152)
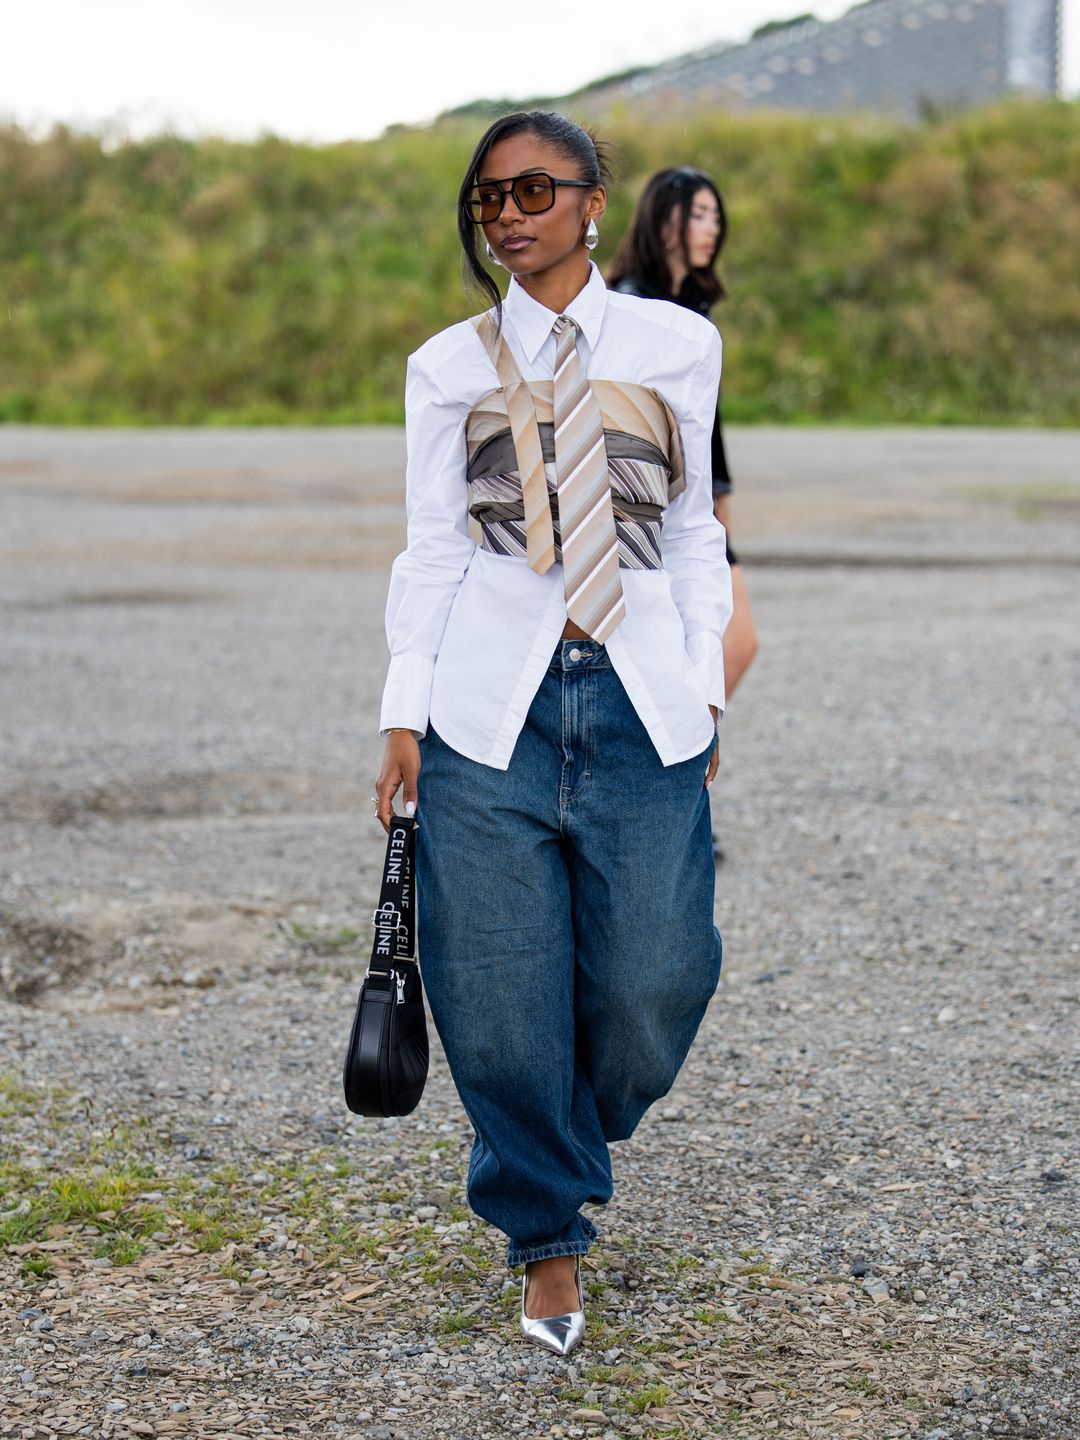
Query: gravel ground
(856,1213)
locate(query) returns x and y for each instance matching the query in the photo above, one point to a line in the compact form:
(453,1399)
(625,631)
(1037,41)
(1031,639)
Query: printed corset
(645,466)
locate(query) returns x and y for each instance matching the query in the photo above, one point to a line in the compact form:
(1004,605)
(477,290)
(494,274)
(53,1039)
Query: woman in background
(670,253)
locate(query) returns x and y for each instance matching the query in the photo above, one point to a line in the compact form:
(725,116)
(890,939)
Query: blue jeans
(565,925)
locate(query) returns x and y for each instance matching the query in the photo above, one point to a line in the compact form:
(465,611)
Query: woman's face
(702,230)
(526,244)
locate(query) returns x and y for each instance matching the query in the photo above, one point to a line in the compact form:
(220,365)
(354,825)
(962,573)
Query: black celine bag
(386,1063)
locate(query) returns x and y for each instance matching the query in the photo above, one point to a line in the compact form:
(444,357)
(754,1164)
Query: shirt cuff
(407,694)
(706,653)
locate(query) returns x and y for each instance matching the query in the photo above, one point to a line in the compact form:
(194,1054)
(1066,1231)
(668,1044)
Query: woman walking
(670,253)
(552,697)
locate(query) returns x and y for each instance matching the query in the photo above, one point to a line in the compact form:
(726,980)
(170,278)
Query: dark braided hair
(590,158)
(641,254)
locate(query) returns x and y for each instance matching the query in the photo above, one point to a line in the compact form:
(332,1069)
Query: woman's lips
(516,242)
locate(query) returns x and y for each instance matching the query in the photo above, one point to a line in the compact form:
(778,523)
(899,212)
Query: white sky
(341,69)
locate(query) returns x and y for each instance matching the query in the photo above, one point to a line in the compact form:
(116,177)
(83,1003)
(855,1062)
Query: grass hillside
(877,272)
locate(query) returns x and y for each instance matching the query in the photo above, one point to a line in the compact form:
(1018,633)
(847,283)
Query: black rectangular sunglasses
(533,194)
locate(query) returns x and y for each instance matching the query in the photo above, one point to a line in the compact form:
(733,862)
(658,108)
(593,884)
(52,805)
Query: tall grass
(877,272)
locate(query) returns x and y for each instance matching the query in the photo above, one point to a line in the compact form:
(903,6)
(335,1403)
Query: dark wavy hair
(641,254)
(588,157)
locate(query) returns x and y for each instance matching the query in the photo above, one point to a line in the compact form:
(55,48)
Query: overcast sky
(340,69)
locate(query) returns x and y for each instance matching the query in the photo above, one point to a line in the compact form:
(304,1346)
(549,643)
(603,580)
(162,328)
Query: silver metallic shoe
(556,1332)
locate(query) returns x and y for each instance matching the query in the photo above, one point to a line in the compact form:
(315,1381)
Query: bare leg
(552,1288)
(740,637)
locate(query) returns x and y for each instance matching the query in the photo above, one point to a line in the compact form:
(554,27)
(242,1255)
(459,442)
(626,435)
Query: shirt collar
(532,321)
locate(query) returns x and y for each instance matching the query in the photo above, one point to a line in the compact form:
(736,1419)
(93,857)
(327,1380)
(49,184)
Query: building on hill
(899,57)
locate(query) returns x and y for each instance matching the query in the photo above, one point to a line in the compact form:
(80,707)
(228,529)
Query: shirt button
(575,654)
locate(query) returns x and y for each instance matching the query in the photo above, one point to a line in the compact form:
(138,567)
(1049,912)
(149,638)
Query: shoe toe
(557,1333)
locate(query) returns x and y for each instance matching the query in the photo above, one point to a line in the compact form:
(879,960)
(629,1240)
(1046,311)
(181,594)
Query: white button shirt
(471,633)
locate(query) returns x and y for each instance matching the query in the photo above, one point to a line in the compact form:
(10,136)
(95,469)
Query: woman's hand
(400,767)
(714,755)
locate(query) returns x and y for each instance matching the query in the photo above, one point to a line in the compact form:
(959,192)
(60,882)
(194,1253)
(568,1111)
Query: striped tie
(539,535)
(594,597)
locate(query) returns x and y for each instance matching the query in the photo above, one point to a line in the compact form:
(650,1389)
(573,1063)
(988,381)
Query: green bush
(877,272)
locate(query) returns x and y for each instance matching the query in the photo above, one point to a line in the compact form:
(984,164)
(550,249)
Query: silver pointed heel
(559,1333)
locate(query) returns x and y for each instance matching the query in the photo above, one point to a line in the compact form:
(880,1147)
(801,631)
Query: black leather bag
(386,1063)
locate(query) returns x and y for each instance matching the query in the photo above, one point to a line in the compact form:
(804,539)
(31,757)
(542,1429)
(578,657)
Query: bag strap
(395,934)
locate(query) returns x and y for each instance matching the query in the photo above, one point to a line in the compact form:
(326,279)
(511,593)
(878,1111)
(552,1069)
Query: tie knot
(564,325)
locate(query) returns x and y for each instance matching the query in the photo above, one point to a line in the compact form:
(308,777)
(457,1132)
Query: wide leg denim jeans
(565,922)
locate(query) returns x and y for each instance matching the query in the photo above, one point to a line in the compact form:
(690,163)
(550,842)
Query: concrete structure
(894,56)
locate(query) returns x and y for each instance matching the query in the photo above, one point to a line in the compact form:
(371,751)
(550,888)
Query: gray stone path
(857,1212)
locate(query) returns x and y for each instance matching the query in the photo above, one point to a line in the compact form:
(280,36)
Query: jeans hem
(524,1254)
(547,1252)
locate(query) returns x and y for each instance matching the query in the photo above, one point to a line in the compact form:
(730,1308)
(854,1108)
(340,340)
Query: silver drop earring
(491,257)
(592,236)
